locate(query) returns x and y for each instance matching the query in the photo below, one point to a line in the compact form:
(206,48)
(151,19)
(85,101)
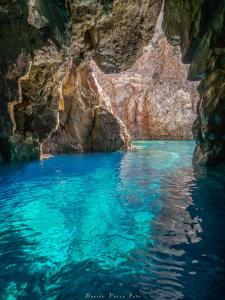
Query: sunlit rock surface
(154,98)
(44,37)
(85,121)
(109,133)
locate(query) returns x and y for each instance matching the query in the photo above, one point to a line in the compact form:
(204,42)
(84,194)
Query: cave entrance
(154,98)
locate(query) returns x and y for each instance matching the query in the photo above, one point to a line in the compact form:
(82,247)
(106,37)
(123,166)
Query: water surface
(138,225)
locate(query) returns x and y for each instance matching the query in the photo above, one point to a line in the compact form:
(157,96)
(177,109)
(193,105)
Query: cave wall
(39,39)
(85,121)
(199,28)
(18,42)
(154,98)
(49,41)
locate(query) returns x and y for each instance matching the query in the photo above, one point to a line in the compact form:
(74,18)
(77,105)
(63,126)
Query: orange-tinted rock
(109,133)
(44,37)
(154,98)
(86,122)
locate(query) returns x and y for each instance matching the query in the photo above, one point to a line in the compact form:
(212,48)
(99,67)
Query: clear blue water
(138,225)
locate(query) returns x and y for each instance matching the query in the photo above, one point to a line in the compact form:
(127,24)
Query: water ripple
(138,225)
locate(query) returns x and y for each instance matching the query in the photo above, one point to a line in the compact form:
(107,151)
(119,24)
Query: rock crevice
(47,36)
(154,98)
(199,27)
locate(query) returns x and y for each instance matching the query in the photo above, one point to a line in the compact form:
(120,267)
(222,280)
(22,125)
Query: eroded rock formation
(40,38)
(38,93)
(85,121)
(198,26)
(154,98)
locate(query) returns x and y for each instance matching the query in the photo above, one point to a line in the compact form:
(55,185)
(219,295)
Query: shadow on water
(120,224)
(17,281)
(195,231)
(209,207)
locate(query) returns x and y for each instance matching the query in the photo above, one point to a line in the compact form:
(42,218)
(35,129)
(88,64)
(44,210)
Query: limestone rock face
(34,111)
(198,26)
(17,43)
(86,122)
(109,133)
(114,33)
(154,98)
(39,39)
(41,102)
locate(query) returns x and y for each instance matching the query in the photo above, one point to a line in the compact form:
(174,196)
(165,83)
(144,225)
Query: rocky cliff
(154,98)
(85,121)
(45,49)
(199,27)
(48,95)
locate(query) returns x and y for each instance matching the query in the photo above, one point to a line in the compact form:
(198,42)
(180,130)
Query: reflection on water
(143,224)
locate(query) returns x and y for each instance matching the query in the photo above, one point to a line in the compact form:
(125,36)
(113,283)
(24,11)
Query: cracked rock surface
(154,98)
(48,97)
(199,27)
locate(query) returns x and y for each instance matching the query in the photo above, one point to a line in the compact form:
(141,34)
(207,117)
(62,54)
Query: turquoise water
(140,225)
